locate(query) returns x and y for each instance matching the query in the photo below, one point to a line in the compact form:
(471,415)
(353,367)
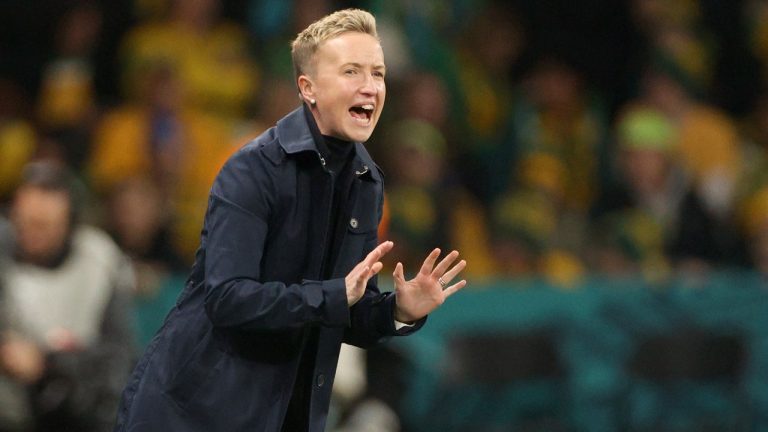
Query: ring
(441,282)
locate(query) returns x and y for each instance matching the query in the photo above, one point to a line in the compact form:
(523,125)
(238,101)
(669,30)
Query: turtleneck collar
(336,151)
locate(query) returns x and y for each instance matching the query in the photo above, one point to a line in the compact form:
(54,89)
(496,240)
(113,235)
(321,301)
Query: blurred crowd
(557,140)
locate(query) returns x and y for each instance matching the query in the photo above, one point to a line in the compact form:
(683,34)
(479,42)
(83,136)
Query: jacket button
(353,223)
(320,380)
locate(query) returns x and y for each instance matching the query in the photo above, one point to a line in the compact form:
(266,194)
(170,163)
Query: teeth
(368,107)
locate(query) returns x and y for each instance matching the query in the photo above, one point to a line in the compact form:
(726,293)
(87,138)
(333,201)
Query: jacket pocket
(199,369)
(363,216)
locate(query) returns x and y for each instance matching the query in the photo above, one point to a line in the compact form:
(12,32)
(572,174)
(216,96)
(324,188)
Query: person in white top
(67,338)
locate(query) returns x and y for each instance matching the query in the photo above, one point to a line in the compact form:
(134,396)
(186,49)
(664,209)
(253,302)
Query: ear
(306,88)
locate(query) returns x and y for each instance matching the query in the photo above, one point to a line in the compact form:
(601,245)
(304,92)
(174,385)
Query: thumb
(398,273)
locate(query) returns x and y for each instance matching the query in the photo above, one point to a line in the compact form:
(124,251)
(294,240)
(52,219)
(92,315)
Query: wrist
(402,317)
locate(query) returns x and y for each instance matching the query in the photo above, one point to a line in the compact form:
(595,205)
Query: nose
(369,87)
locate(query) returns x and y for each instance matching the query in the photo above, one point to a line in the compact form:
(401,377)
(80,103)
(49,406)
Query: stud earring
(312,102)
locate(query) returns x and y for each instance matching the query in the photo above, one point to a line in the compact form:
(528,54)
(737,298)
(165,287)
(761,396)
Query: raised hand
(21,359)
(428,290)
(357,279)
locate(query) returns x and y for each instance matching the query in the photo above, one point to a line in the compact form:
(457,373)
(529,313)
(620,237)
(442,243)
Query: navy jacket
(228,353)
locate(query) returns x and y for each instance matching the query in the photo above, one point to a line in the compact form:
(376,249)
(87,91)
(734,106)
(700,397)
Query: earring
(312,102)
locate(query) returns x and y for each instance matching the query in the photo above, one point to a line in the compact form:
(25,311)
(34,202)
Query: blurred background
(602,165)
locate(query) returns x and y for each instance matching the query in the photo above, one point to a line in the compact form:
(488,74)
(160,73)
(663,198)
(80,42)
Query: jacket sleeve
(237,224)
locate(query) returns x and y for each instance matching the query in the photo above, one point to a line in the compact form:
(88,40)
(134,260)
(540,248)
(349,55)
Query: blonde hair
(305,45)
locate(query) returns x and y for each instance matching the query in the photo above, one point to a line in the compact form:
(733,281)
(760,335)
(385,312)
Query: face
(418,167)
(645,170)
(347,82)
(137,215)
(41,219)
(426,98)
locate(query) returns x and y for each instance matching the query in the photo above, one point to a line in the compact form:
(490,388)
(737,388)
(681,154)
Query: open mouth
(362,113)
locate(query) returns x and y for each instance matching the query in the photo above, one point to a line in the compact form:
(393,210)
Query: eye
(378,74)
(350,72)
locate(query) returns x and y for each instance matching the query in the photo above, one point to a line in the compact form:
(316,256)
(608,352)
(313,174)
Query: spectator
(427,206)
(556,115)
(209,55)
(138,219)
(485,101)
(628,244)
(179,148)
(706,142)
(526,231)
(67,345)
(654,182)
(17,137)
(67,104)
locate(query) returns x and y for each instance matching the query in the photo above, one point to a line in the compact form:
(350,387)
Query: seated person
(66,331)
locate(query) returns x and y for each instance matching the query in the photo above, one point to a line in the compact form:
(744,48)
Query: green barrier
(692,355)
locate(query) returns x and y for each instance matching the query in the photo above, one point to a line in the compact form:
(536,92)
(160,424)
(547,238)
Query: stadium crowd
(556,140)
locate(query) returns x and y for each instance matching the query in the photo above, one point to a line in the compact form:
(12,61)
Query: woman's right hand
(357,279)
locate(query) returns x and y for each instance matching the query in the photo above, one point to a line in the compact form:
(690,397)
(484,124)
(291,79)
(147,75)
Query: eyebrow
(358,65)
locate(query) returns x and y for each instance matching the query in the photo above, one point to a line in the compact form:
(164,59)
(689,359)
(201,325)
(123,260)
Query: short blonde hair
(305,45)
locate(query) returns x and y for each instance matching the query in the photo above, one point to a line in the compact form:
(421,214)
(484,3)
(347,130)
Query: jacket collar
(295,136)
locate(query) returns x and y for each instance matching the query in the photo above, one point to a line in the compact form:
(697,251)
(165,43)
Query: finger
(362,277)
(429,262)
(443,265)
(378,252)
(455,287)
(375,268)
(386,247)
(359,269)
(363,266)
(450,274)
(360,282)
(372,257)
(368,273)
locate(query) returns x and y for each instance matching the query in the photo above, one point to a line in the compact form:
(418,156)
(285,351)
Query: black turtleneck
(337,155)
(338,163)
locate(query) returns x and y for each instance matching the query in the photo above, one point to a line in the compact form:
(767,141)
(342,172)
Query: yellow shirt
(215,68)
(709,143)
(122,150)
